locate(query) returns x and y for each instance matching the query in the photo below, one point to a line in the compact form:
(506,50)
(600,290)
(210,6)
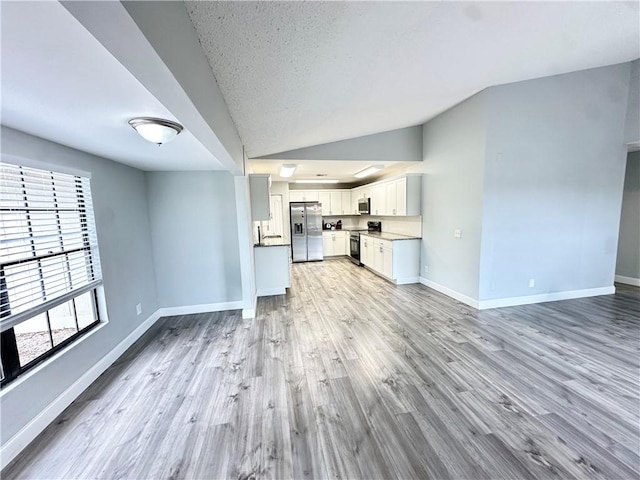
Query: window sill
(25,377)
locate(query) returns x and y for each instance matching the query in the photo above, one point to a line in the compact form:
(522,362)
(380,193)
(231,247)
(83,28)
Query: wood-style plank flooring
(348,376)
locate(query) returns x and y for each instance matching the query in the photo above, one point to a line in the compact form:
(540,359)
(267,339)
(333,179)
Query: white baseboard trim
(546,297)
(203,308)
(267,292)
(628,280)
(407,281)
(515,301)
(29,432)
(250,312)
(472,302)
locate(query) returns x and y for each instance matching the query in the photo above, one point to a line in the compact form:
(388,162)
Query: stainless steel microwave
(364,205)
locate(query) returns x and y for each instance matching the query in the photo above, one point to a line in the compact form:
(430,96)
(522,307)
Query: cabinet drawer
(383,243)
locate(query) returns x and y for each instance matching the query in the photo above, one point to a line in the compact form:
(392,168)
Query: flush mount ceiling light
(156,130)
(368,171)
(287,170)
(317,181)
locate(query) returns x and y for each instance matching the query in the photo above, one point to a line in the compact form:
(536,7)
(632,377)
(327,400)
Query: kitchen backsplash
(411,226)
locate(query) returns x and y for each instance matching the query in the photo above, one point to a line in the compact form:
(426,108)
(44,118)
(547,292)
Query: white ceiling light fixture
(368,171)
(287,170)
(156,130)
(317,181)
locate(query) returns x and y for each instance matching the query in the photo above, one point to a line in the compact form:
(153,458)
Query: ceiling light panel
(368,171)
(286,171)
(320,180)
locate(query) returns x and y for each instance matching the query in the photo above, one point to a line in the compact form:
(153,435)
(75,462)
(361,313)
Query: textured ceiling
(296,74)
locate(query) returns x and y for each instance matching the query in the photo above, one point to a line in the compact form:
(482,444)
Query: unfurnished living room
(323,239)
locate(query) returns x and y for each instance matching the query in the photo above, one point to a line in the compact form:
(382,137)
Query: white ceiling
(340,170)
(296,74)
(60,83)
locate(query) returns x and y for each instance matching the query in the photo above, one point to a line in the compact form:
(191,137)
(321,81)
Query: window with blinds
(48,257)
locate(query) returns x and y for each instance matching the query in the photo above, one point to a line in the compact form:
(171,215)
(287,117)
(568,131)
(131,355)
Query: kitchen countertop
(272,242)
(390,236)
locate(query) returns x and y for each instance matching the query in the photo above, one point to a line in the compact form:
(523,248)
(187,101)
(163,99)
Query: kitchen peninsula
(271,258)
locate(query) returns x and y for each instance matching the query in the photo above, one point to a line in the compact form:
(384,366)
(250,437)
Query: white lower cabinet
(366,250)
(327,245)
(272,273)
(398,261)
(334,243)
(387,259)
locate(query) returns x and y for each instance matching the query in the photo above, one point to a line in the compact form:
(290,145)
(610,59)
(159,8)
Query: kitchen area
(377,226)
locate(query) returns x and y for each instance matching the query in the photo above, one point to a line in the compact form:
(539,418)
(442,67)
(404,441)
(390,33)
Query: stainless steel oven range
(354,240)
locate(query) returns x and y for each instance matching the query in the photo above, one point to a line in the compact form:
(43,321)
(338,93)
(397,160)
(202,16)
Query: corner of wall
(245,244)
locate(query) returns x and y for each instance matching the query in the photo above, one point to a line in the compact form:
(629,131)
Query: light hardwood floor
(348,376)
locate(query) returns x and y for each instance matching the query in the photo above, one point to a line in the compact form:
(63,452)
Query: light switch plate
(138,309)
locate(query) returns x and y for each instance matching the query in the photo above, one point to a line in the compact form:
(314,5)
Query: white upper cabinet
(325,199)
(303,196)
(378,199)
(336,203)
(401,197)
(354,201)
(259,191)
(391,190)
(398,197)
(296,196)
(346,203)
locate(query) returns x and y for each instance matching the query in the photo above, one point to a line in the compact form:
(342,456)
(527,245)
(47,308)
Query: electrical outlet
(138,309)
(532,283)
(426,269)
(457,233)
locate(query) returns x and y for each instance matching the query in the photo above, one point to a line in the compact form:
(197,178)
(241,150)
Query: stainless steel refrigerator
(306,231)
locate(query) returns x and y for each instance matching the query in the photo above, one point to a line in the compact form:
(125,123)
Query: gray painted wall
(553,183)
(454,149)
(195,237)
(404,144)
(632,125)
(245,242)
(628,261)
(124,239)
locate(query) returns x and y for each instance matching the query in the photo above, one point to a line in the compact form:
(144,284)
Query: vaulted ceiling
(292,74)
(296,74)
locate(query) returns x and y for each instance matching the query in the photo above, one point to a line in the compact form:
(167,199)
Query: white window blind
(48,243)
